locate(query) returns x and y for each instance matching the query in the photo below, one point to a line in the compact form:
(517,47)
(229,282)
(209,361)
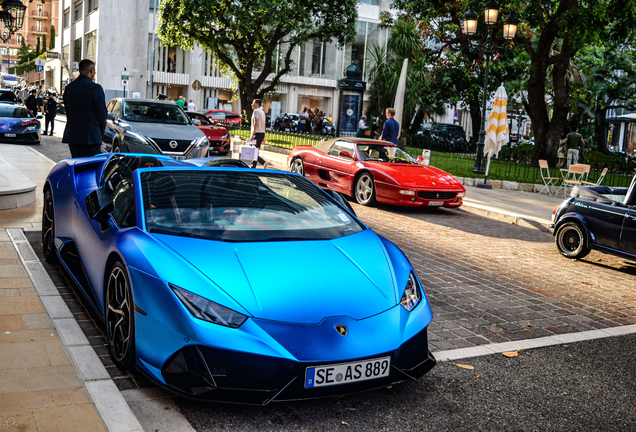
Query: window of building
(40,10)
(66,18)
(65,60)
(19,39)
(77,12)
(357,47)
(371,2)
(91,6)
(318,59)
(91,46)
(38,26)
(77,50)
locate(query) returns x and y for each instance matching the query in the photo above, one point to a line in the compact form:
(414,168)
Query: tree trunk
(600,130)
(475,118)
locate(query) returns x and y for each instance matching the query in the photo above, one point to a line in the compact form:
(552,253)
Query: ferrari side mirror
(345,154)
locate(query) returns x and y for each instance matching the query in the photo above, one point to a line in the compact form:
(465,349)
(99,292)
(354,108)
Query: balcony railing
(37,29)
(37,14)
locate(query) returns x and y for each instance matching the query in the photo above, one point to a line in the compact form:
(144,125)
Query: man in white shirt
(257,126)
(191,106)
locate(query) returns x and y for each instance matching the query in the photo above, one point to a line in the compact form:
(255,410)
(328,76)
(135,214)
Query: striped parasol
(497,133)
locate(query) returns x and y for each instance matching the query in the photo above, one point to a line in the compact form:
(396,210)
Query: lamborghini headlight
(207,310)
(412,294)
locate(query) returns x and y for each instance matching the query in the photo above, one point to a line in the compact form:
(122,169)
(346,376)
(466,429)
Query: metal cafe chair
(573,177)
(545,176)
(598,181)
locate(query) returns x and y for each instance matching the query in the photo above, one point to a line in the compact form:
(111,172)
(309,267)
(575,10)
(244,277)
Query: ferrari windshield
(150,112)
(241,206)
(383,153)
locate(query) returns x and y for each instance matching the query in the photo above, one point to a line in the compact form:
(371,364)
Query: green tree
(246,35)
(606,80)
(551,33)
(52,43)
(37,46)
(44,43)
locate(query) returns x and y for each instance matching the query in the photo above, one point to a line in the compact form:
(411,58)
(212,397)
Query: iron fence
(287,140)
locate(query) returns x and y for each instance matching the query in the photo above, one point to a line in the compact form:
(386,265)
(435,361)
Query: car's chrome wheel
(365,190)
(120,329)
(297,166)
(48,227)
(570,239)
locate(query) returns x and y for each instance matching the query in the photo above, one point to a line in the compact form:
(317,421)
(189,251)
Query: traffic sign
(196,85)
(39,62)
(39,68)
(52,55)
(125,77)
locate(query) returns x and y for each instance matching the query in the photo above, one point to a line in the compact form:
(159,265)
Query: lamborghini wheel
(297,166)
(120,328)
(48,227)
(365,190)
(570,239)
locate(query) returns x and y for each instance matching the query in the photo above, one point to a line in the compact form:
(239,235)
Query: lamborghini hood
(297,281)
(416,175)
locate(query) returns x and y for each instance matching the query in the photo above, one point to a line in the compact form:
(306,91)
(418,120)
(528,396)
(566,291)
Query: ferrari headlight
(201,142)
(461,194)
(207,310)
(412,294)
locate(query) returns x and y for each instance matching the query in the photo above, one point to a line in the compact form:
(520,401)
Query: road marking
(498,348)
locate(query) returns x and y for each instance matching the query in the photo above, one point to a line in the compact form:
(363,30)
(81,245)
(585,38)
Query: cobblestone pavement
(488,281)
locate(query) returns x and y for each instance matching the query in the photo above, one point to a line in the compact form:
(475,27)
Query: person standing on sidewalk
(191,106)
(85,105)
(40,99)
(574,140)
(181,102)
(49,109)
(258,128)
(391,128)
(32,103)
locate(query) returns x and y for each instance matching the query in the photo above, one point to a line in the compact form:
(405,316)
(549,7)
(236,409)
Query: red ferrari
(372,170)
(218,136)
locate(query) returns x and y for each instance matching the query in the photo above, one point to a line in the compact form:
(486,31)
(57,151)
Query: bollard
(236,147)
(426,157)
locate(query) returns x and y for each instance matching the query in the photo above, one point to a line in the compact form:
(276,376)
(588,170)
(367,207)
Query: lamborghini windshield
(241,206)
(383,153)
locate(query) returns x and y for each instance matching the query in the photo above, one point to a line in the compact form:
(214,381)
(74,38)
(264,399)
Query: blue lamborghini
(234,284)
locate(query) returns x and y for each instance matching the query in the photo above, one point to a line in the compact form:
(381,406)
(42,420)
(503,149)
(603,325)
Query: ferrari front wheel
(48,227)
(570,239)
(120,328)
(297,166)
(365,190)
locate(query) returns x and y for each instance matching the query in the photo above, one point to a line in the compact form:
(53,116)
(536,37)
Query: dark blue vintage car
(597,217)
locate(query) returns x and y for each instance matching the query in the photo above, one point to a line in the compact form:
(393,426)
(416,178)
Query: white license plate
(178,157)
(345,373)
(9,135)
(436,203)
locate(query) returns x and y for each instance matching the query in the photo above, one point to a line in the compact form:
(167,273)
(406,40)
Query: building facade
(119,34)
(39,19)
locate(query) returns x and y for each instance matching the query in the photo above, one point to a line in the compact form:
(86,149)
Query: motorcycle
(284,124)
(327,128)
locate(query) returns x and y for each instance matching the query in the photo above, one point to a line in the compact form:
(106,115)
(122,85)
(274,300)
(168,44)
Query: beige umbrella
(497,133)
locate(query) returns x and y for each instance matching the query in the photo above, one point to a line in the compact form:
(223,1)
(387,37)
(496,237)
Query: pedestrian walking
(40,99)
(49,118)
(362,128)
(376,129)
(85,113)
(32,103)
(301,121)
(191,106)
(257,126)
(391,128)
(574,141)
(181,102)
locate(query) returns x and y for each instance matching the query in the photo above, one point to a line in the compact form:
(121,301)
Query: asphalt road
(487,282)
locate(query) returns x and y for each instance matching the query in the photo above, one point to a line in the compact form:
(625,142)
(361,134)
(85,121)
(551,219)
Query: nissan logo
(173,144)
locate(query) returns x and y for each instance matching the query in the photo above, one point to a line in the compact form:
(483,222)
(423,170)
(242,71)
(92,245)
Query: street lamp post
(491,13)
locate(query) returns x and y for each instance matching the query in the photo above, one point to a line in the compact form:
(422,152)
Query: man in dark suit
(85,106)
(31,103)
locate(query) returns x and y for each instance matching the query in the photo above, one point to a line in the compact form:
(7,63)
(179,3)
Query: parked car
(8,81)
(443,131)
(8,96)
(149,126)
(222,116)
(17,124)
(597,218)
(373,170)
(218,136)
(136,233)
